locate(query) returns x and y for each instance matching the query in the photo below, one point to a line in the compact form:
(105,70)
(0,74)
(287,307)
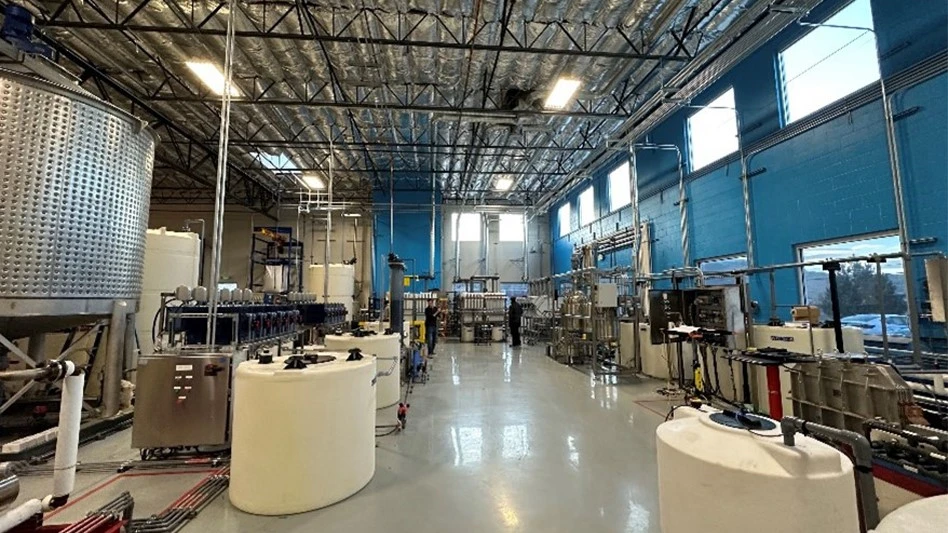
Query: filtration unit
(304,432)
(717,475)
(386,349)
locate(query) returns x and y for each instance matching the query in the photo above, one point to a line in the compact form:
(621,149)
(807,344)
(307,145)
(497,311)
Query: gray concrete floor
(499,439)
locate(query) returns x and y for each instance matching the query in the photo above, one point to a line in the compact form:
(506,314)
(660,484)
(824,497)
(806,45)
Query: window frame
(457,218)
(689,131)
(591,192)
(801,247)
(628,184)
(719,258)
(566,229)
(500,227)
(781,77)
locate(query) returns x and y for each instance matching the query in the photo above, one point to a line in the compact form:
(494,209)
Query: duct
(264,60)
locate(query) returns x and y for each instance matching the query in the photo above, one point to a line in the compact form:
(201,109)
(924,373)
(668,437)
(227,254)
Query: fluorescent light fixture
(313,181)
(503,184)
(212,77)
(352,215)
(564,89)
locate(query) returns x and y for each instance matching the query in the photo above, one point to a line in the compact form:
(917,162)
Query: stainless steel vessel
(75,182)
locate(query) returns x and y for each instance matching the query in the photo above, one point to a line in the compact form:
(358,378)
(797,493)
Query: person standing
(514,314)
(431,325)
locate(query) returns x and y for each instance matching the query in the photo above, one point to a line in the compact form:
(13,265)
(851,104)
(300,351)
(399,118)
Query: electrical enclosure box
(607,295)
(182,400)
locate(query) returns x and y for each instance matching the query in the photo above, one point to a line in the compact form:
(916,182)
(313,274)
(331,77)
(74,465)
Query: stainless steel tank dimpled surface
(75,183)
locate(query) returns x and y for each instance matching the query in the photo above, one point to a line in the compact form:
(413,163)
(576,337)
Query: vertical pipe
(326,251)
(636,223)
(112,378)
(485,223)
(897,188)
(67,441)
(130,355)
(221,191)
(526,238)
(37,348)
(683,212)
(431,244)
(880,285)
(455,222)
(391,207)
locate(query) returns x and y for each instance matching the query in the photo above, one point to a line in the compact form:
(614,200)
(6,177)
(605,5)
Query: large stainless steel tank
(75,182)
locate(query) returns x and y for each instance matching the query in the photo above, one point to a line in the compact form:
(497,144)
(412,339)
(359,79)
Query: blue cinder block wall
(412,242)
(829,182)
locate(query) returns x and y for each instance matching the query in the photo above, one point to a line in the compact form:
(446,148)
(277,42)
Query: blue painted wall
(412,242)
(829,182)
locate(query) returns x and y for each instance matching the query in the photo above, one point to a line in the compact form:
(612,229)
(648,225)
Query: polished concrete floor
(499,439)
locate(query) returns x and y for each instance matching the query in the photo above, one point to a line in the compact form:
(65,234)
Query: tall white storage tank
(928,515)
(302,438)
(172,259)
(719,479)
(386,348)
(341,279)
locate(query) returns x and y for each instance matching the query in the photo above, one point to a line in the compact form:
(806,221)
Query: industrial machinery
(74,191)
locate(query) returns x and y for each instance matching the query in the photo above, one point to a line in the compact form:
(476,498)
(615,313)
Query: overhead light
(211,77)
(561,93)
(503,184)
(313,181)
(352,215)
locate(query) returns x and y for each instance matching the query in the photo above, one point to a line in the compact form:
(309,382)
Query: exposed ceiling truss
(409,94)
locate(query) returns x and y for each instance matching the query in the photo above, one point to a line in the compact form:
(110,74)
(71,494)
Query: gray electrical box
(182,400)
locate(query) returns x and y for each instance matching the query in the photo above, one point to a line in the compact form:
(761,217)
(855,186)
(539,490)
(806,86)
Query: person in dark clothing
(431,325)
(514,313)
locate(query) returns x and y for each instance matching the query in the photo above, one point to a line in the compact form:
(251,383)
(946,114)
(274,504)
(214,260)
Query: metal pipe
(880,287)
(326,250)
(37,347)
(431,244)
(221,185)
(455,222)
(115,356)
(526,237)
(682,199)
(130,354)
(861,455)
(9,490)
(485,223)
(391,207)
(636,222)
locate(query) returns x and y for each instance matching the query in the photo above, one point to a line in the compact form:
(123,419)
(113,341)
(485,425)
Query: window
(722,264)
(511,227)
(858,284)
(712,131)
(829,63)
(620,187)
(470,227)
(587,212)
(564,219)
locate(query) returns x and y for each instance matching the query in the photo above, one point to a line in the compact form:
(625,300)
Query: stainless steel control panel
(182,400)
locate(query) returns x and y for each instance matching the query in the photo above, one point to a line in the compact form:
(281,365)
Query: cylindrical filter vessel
(302,438)
(467,334)
(720,479)
(386,348)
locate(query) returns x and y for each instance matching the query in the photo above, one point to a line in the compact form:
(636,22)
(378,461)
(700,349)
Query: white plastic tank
(341,279)
(719,479)
(467,334)
(302,438)
(928,515)
(386,348)
(172,259)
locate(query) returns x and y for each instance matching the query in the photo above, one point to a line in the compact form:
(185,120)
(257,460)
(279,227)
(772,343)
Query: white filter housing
(719,479)
(172,259)
(341,280)
(302,439)
(386,348)
(928,515)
